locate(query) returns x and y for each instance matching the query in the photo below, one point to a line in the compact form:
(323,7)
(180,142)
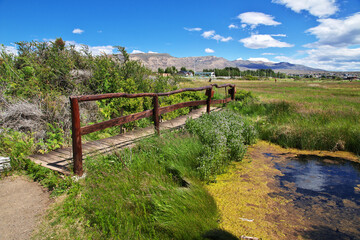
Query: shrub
(224,135)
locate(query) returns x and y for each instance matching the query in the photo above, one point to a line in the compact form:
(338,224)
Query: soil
(22,203)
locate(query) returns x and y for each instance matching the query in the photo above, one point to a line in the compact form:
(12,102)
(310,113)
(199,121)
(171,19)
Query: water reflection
(322,175)
(326,190)
(311,177)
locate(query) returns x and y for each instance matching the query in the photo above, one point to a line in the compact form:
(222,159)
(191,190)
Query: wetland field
(306,184)
(313,115)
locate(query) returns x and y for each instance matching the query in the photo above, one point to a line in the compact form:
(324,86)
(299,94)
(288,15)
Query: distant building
(205,74)
(185,73)
(164,74)
(351,78)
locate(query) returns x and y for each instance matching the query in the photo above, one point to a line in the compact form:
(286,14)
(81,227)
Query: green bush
(47,73)
(17,146)
(224,135)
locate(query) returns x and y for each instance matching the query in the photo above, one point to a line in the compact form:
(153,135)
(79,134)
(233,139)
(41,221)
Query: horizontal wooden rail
(220,101)
(115,122)
(78,131)
(184,90)
(84,98)
(171,108)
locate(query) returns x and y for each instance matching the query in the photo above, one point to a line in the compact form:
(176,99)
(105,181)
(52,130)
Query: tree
(59,43)
(171,70)
(160,70)
(183,69)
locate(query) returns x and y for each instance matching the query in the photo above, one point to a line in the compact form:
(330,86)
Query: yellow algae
(250,191)
(357,189)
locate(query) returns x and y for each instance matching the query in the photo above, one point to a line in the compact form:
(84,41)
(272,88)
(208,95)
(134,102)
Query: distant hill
(163,60)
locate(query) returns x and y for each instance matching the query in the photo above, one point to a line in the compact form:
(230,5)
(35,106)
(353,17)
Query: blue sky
(317,33)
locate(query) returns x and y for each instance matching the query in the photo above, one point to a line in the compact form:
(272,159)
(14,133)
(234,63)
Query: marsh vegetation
(158,189)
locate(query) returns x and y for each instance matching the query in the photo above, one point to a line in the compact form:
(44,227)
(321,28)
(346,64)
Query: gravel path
(22,202)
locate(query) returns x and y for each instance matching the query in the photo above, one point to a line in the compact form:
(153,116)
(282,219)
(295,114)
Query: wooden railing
(78,131)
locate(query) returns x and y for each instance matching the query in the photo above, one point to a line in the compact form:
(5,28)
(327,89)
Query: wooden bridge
(67,159)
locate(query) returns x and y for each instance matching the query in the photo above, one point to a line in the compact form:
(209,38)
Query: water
(326,190)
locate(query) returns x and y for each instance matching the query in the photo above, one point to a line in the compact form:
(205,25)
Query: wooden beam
(115,122)
(76,136)
(171,108)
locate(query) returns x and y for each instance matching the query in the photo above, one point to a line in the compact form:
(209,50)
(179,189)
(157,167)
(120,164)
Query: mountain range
(164,60)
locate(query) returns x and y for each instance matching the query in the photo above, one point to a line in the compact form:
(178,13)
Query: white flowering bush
(225,135)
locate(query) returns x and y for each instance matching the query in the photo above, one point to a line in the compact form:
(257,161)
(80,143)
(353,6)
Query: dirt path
(22,202)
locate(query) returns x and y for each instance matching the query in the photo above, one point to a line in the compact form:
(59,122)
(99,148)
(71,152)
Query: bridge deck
(61,159)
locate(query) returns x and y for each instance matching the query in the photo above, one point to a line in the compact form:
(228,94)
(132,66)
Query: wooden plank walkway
(60,160)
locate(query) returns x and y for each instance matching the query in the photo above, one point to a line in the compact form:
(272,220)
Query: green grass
(149,192)
(155,190)
(322,115)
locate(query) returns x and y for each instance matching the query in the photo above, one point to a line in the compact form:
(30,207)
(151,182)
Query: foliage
(250,74)
(171,70)
(245,96)
(54,138)
(16,145)
(148,192)
(53,181)
(160,70)
(47,73)
(224,135)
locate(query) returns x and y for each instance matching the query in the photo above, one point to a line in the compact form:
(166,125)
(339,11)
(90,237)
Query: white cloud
(243,25)
(328,58)
(337,32)
(232,26)
(259,60)
(239,59)
(217,37)
(257,41)
(136,51)
(257,18)
(223,39)
(95,50)
(268,54)
(9,49)
(278,35)
(192,29)
(152,52)
(318,8)
(98,50)
(77,31)
(209,50)
(208,34)
(211,35)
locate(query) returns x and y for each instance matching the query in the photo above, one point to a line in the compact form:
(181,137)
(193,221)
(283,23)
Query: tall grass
(282,122)
(323,115)
(155,190)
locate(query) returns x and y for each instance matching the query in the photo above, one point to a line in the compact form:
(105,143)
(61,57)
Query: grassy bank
(322,115)
(155,190)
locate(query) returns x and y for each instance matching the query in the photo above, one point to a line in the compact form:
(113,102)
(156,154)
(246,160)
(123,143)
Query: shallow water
(326,190)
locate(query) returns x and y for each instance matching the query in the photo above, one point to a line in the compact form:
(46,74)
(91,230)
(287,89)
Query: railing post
(233,93)
(76,136)
(156,114)
(209,93)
